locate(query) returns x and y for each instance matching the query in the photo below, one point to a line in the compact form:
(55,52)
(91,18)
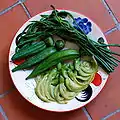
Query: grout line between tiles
(86,113)
(6,93)
(110,11)
(3,113)
(21,1)
(111,114)
(9,8)
(25,9)
(110,30)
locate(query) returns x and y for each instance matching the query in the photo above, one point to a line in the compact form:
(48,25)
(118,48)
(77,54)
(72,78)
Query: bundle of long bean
(56,24)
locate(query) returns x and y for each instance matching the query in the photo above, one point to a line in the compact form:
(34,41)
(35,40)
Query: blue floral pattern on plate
(84,25)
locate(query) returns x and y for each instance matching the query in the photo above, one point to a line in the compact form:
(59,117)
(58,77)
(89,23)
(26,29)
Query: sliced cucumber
(73,86)
(81,73)
(83,78)
(39,90)
(86,67)
(52,89)
(47,90)
(77,64)
(68,95)
(59,98)
(73,77)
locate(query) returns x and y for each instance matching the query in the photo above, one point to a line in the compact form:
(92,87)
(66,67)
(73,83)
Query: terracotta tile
(1,117)
(17,108)
(9,24)
(109,99)
(115,7)
(115,117)
(93,9)
(6,3)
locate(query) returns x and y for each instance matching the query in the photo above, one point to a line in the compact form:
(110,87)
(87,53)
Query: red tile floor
(13,14)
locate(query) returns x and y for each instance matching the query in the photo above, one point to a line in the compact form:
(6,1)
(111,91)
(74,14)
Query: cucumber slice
(47,90)
(52,89)
(59,66)
(55,81)
(47,83)
(83,78)
(77,64)
(61,79)
(39,90)
(81,73)
(73,86)
(74,79)
(89,64)
(68,95)
(59,98)
(39,78)
(88,81)
(86,67)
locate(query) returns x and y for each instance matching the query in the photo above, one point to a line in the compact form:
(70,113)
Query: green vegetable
(28,51)
(40,91)
(62,28)
(29,39)
(49,41)
(101,40)
(53,60)
(35,59)
(62,84)
(59,44)
(73,86)
(66,94)
(51,76)
(58,97)
(55,81)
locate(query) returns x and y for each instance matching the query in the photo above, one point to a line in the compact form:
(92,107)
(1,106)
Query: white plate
(26,87)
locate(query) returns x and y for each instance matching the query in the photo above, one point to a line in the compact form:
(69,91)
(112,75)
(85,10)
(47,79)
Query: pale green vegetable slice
(47,90)
(39,78)
(84,78)
(88,81)
(81,73)
(59,66)
(64,73)
(77,64)
(68,95)
(55,81)
(73,86)
(51,76)
(39,90)
(86,67)
(52,89)
(73,77)
(89,64)
(59,98)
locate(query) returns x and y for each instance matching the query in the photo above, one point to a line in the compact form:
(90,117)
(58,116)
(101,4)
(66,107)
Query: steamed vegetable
(61,84)
(65,80)
(56,24)
(66,31)
(49,41)
(59,44)
(53,60)
(35,59)
(28,51)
